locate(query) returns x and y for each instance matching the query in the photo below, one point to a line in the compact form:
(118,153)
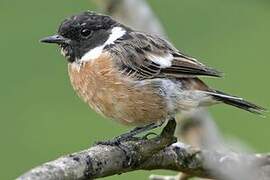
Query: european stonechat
(133,77)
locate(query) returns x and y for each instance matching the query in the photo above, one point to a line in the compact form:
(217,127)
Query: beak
(56,39)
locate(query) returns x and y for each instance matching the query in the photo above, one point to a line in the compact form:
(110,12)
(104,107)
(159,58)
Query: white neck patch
(116,33)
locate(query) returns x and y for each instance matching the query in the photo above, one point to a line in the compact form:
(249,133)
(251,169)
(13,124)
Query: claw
(149,134)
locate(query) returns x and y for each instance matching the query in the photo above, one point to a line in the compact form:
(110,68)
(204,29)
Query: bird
(135,78)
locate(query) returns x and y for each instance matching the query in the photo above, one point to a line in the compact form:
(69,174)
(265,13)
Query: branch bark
(159,152)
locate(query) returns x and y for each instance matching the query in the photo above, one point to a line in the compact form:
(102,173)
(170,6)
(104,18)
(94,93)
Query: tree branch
(147,154)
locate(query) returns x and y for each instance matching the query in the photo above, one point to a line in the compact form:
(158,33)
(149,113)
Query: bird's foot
(120,139)
(130,136)
(146,136)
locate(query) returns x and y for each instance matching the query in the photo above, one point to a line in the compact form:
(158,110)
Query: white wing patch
(116,33)
(164,61)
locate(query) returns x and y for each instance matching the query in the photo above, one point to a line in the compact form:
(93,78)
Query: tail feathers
(237,102)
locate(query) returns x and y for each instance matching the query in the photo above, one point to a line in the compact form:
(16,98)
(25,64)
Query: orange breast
(112,94)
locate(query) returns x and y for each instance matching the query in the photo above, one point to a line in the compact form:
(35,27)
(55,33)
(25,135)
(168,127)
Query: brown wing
(146,56)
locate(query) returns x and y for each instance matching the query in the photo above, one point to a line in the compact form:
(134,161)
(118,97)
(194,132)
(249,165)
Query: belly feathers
(115,96)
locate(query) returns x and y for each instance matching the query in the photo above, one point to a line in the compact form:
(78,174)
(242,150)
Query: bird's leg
(138,130)
(131,134)
(167,131)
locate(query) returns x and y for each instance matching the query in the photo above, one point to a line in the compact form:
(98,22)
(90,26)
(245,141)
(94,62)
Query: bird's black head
(80,33)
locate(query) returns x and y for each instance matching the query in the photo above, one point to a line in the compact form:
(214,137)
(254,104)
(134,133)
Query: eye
(86,32)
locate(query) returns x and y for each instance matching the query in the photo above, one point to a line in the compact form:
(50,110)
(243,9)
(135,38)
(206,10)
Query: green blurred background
(42,118)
